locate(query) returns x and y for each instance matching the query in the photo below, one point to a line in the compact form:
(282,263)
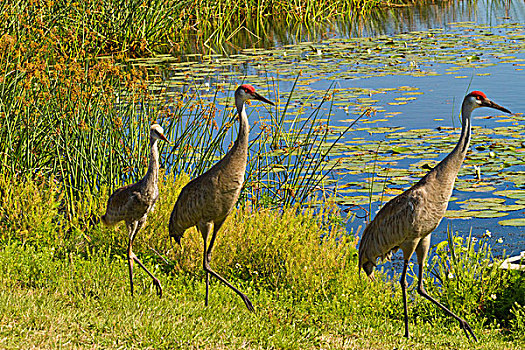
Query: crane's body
(206,201)
(413,215)
(132,203)
(407,221)
(213,202)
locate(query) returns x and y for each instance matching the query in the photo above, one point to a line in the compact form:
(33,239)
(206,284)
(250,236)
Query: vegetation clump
(130,28)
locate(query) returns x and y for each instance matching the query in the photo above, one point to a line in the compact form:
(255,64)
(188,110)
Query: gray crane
(132,203)
(407,220)
(206,201)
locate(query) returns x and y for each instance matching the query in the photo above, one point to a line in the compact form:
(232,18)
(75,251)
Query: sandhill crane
(407,221)
(132,203)
(206,201)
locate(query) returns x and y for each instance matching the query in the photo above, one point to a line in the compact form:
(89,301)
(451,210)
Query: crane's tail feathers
(105,221)
(175,231)
(177,239)
(365,262)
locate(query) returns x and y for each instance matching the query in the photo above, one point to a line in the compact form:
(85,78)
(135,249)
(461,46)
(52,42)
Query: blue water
(442,96)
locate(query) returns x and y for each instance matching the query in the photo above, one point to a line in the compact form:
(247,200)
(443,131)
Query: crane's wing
(392,225)
(194,200)
(124,204)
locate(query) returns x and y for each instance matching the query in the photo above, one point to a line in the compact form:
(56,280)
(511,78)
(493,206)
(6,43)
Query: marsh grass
(132,28)
(87,127)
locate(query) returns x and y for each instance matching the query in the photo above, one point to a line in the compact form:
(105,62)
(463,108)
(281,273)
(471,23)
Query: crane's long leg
(216,227)
(205,230)
(463,324)
(403,282)
(131,226)
(132,257)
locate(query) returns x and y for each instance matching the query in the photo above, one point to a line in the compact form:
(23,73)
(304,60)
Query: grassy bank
(63,285)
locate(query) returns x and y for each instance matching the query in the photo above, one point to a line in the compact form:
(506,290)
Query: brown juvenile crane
(132,203)
(407,221)
(206,201)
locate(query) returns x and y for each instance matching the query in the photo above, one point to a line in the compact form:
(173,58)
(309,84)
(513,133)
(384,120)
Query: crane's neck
(152,174)
(450,166)
(241,144)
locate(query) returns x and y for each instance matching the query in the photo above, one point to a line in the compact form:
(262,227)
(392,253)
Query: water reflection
(422,15)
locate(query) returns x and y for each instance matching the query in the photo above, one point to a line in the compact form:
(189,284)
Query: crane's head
(247,92)
(157,132)
(477,99)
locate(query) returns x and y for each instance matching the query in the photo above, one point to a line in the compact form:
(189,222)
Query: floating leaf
(512,222)
(515,194)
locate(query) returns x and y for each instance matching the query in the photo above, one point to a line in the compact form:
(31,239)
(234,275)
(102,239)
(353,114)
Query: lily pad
(512,222)
(515,194)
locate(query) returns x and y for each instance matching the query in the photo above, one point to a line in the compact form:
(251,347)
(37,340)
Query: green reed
(132,28)
(291,158)
(88,138)
(81,121)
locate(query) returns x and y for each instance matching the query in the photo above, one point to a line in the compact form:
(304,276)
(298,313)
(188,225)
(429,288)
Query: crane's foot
(156,282)
(248,303)
(468,331)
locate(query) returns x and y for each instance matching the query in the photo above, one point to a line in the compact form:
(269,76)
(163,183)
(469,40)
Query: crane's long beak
(256,96)
(489,103)
(163,138)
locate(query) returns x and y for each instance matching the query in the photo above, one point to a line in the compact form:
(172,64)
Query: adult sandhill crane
(407,221)
(206,201)
(132,203)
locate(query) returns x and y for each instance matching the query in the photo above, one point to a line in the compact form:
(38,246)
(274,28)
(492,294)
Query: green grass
(65,285)
(80,302)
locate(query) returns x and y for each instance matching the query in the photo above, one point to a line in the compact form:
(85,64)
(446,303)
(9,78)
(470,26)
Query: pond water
(413,65)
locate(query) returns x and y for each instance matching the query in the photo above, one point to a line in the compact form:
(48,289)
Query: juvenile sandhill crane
(206,201)
(407,221)
(132,203)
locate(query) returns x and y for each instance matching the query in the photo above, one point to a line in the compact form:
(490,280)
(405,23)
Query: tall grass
(87,127)
(132,28)
(292,158)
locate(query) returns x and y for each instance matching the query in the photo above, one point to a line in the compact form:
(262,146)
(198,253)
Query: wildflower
(500,240)
(450,275)
(487,234)
(493,296)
